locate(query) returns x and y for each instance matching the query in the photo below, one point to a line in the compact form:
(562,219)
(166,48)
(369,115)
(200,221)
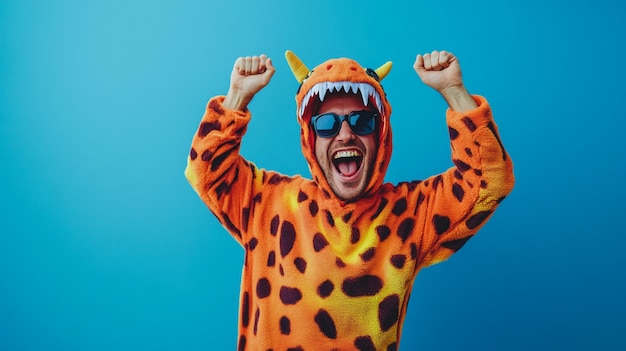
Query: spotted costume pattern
(324,274)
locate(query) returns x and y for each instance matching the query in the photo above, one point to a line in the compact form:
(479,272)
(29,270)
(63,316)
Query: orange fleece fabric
(324,274)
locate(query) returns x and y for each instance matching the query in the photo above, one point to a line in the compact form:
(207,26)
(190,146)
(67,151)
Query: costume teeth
(321,89)
(346,87)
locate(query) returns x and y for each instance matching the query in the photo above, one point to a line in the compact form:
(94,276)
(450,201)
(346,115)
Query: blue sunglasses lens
(325,125)
(328,125)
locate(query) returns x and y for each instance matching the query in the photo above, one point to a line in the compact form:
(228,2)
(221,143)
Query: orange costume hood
(345,75)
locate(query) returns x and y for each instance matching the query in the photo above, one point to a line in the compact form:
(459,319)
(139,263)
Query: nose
(345,132)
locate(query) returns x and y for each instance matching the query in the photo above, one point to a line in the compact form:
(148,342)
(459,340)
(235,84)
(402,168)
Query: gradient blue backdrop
(104,246)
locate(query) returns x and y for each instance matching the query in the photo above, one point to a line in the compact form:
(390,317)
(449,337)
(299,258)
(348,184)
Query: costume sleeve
(222,178)
(457,203)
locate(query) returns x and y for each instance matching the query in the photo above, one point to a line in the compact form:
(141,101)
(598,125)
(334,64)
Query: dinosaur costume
(321,273)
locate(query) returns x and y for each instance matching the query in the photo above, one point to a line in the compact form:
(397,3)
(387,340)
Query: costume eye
(370,72)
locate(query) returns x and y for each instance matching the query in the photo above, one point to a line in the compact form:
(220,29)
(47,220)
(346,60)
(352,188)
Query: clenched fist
(441,71)
(250,74)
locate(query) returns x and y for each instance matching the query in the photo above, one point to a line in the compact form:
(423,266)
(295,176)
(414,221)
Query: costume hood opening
(346,76)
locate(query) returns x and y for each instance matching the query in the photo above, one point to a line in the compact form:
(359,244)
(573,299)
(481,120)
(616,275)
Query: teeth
(321,89)
(366,91)
(346,87)
(349,153)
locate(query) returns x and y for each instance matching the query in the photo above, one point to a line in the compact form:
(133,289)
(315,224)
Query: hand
(250,74)
(441,71)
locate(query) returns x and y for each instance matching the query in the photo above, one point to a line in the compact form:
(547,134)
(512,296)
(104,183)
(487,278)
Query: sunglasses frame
(339,119)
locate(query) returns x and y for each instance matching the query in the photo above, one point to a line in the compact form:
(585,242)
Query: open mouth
(348,162)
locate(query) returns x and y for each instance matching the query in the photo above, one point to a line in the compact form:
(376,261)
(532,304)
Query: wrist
(235,100)
(458,98)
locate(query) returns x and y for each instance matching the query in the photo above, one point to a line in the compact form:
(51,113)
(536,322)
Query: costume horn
(299,69)
(383,70)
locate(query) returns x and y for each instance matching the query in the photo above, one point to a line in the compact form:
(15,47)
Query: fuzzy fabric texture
(323,274)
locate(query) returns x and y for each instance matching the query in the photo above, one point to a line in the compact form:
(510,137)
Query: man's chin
(348,192)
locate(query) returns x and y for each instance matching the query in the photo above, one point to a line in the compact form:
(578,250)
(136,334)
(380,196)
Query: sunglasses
(327,125)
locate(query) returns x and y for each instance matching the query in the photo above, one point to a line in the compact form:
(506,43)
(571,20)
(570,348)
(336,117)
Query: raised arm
(223,179)
(458,202)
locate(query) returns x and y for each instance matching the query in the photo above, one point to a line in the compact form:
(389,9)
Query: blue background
(104,245)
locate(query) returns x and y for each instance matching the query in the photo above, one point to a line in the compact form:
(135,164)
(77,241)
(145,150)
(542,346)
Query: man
(330,262)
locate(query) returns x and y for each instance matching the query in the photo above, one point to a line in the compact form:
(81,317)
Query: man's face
(347,159)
